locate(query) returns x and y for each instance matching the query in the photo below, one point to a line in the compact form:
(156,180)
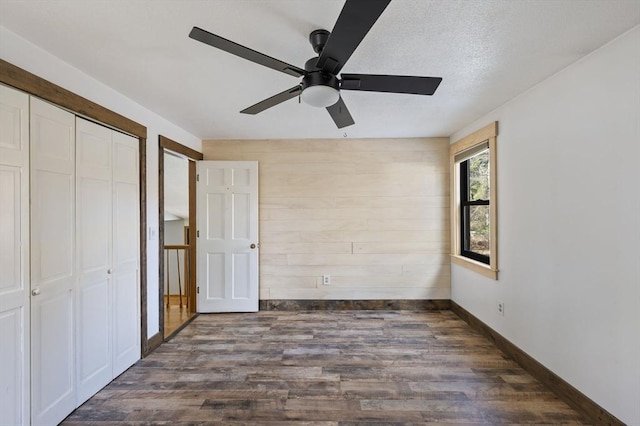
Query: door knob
(108,271)
(35,292)
(252,246)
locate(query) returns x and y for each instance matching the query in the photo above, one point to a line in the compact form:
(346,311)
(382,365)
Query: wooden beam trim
(142,155)
(341,305)
(478,267)
(179,148)
(154,342)
(161,265)
(493,196)
(560,387)
(14,76)
(487,132)
(193,241)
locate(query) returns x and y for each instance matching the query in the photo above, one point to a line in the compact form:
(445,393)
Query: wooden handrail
(176,247)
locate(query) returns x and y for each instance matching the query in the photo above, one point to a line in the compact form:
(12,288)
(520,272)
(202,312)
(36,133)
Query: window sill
(475,266)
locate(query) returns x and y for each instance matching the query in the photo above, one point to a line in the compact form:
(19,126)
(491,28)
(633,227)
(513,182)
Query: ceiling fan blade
(244,52)
(273,101)
(355,21)
(390,83)
(340,114)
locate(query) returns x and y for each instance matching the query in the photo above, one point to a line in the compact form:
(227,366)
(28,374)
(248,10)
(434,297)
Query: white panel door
(126,253)
(108,326)
(93,254)
(227,203)
(53,389)
(14,257)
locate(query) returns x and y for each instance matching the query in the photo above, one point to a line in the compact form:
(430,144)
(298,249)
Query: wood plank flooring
(326,368)
(174,315)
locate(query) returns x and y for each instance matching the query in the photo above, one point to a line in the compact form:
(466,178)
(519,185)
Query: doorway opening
(177,248)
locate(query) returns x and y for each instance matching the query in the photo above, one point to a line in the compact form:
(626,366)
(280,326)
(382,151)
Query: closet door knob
(35,292)
(252,246)
(109,271)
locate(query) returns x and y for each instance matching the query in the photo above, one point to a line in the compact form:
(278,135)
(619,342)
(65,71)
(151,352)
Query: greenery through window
(475,223)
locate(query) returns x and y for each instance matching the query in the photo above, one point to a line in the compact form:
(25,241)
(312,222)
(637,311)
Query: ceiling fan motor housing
(319,88)
(315,76)
(320,78)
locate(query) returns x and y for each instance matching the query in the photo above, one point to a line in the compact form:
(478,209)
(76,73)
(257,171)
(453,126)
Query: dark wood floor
(326,368)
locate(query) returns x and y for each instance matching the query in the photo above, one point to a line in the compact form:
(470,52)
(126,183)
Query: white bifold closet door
(85,315)
(53,276)
(94,217)
(14,257)
(126,253)
(107,255)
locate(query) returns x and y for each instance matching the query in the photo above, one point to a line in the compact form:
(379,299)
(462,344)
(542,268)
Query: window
(473,210)
(475,222)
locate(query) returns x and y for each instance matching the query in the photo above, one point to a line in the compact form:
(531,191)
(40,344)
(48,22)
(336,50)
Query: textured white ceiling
(487,52)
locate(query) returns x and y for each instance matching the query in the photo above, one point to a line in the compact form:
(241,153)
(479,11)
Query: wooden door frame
(29,83)
(166,144)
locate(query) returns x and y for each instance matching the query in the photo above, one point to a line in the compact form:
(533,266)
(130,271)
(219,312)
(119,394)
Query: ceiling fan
(320,85)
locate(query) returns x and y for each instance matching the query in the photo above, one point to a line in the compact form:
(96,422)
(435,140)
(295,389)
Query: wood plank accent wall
(372,213)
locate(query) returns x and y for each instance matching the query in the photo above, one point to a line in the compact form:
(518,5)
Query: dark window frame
(465,220)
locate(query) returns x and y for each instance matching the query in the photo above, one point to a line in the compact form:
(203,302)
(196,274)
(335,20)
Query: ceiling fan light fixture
(320,89)
(320,96)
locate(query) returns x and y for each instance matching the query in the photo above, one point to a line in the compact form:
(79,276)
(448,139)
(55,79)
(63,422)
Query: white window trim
(485,135)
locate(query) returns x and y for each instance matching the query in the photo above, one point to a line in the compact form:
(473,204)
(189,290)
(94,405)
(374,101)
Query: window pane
(479,230)
(479,176)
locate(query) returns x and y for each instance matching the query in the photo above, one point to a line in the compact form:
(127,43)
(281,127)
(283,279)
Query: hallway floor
(326,368)
(175,315)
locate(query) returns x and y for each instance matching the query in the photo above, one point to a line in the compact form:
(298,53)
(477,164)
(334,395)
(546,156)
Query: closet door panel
(14,257)
(53,230)
(53,391)
(11,272)
(126,339)
(12,369)
(93,228)
(126,265)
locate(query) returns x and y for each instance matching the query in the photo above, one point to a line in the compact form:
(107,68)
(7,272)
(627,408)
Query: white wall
(28,56)
(371,213)
(569,226)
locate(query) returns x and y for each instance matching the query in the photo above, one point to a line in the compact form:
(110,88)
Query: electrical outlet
(326,280)
(501,308)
